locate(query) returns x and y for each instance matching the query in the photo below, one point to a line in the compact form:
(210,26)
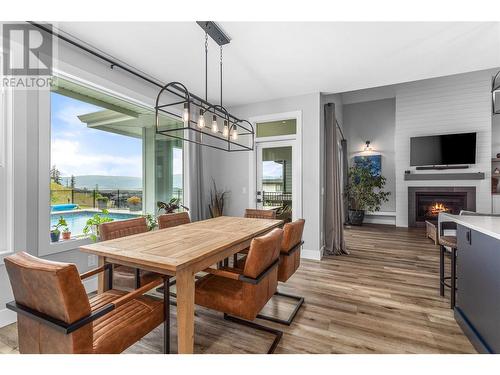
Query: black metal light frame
(190,130)
(194,133)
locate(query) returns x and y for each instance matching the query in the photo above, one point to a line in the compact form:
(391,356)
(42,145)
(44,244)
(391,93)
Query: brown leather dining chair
(127,278)
(173,220)
(289,263)
(55,315)
(242,293)
(251,213)
(260,214)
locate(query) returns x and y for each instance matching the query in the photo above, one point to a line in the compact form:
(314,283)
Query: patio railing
(88,198)
(276,198)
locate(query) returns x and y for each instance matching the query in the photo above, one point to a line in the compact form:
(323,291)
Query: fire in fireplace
(436,208)
(429,205)
(426,202)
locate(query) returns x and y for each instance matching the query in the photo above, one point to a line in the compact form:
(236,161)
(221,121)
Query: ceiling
(269,60)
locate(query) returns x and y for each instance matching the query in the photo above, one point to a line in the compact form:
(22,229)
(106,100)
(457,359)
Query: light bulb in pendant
(225,131)
(215,128)
(201,119)
(185,114)
(234,134)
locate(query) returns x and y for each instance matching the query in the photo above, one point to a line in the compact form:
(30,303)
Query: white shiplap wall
(454,104)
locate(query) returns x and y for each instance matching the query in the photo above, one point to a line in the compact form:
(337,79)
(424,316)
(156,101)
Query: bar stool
(445,243)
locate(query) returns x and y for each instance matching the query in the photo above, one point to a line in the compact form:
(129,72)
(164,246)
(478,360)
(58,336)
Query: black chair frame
(69,328)
(291,296)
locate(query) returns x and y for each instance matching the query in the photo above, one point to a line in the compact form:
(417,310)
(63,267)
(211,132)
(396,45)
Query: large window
(96,157)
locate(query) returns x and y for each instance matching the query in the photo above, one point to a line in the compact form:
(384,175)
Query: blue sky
(78,150)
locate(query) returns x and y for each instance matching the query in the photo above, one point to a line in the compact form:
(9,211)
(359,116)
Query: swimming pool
(78,219)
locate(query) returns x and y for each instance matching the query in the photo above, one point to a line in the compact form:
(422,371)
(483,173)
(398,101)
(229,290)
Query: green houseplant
(364,191)
(170,206)
(91,228)
(55,233)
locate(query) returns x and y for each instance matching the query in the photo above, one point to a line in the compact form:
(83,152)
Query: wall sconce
(367,146)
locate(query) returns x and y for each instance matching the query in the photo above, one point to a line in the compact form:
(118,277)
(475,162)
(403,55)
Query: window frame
(45,246)
(6,164)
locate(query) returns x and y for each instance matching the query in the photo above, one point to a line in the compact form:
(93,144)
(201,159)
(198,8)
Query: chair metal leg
(166,309)
(137,278)
(441,270)
(292,315)
(453,280)
(277,333)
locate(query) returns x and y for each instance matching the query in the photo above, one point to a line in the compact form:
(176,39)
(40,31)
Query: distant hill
(104,182)
(111,182)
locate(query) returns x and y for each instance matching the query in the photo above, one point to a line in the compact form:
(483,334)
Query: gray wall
(374,121)
(231,171)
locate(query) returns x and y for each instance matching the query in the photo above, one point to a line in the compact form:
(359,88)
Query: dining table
(181,252)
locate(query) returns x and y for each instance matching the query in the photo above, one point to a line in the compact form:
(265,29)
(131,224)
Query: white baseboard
(310,254)
(387,218)
(7,317)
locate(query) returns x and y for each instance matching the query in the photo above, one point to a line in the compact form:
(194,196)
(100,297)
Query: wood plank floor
(382,298)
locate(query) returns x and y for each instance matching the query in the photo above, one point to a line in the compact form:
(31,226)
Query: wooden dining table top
(172,249)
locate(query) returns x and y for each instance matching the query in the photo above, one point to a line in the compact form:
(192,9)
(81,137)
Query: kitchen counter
(489,225)
(477,308)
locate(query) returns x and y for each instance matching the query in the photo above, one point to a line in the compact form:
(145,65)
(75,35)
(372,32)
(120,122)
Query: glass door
(275,178)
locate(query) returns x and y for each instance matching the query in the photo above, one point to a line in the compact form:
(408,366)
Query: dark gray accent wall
(374,121)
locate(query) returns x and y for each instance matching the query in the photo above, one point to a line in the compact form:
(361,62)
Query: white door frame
(293,139)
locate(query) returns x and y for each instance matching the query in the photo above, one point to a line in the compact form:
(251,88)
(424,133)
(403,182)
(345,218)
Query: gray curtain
(334,202)
(345,170)
(195,178)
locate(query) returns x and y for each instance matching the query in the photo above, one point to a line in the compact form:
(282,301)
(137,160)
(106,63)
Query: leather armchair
(56,316)
(173,220)
(243,292)
(127,278)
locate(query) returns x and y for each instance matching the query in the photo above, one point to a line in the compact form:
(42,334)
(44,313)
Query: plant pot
(54,236)
(135,207)
(66,235)
(102,205)
(356,217)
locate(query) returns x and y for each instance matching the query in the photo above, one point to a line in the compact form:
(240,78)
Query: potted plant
(216,205)
(55,233)
(102,202)
(364,191)
(91,228)
(66,233)
(170,207)
(134,203)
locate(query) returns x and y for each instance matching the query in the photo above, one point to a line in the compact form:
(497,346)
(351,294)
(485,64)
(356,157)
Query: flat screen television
(446,149)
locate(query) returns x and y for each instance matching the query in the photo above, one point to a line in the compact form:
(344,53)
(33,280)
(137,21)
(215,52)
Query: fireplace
(425,203)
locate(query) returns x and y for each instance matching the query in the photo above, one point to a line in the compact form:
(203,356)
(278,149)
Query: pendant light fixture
(175,100)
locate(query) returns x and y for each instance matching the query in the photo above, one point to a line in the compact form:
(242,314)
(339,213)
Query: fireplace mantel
(443,176)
